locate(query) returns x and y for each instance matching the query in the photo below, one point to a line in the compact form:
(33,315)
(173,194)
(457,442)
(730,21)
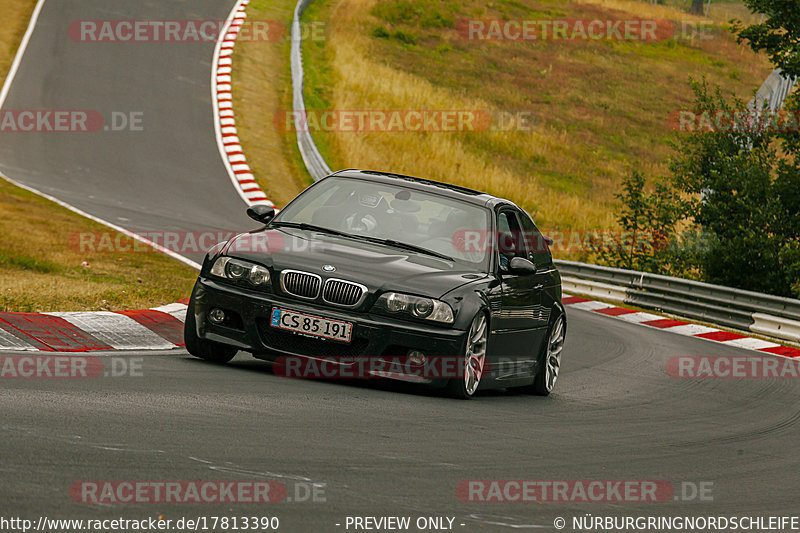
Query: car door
(546,281)
(518,324)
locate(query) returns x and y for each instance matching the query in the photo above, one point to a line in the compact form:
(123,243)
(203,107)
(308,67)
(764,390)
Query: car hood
(376,266)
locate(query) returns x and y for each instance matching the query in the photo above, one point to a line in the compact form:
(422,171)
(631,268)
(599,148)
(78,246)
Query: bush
(405,37)
(381,33)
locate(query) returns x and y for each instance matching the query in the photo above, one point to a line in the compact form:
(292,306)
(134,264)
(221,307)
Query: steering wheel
(360,222)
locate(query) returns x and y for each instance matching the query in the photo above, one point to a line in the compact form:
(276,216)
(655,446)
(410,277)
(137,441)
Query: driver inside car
(367,212)
(507,248)
(350,210)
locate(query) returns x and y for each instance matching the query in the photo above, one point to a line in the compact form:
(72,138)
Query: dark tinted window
(536,246)
(509,244)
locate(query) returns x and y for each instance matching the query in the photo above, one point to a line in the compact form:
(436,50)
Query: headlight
(236,269)
(415,306)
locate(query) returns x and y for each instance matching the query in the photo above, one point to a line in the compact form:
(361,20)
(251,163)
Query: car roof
(436,187)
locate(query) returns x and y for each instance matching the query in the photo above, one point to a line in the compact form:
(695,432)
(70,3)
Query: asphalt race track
(396,449)
(371,448)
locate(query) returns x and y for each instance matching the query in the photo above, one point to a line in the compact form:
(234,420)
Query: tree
(648,228)
(730,208)
(625,250)
(745,230)
(740,214)
(778,35)
(697,8)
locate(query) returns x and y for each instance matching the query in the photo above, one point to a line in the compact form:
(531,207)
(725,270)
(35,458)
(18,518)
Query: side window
(503,223)
(536,246)
(508,237)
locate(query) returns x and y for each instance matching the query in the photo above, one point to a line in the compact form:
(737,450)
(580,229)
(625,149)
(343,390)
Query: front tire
(474,362)
(213,352)
(550,360)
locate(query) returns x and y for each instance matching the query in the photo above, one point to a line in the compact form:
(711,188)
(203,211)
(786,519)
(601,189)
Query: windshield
(381,211)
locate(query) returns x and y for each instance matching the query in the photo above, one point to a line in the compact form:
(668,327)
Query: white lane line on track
(122,230)
(20,52)
(4,94)
(118,331)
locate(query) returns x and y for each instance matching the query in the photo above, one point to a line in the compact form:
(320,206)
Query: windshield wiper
(312,227)
(409,247)
(376,240)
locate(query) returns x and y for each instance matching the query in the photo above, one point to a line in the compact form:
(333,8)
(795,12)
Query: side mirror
(521,267)
(261,213)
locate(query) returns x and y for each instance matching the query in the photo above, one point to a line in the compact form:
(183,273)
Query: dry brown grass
(600,108)
(440,156)
(362,82)
(719,13)
(16,14)
(643,9)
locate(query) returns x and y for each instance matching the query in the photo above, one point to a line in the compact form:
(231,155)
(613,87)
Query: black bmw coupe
(372,274)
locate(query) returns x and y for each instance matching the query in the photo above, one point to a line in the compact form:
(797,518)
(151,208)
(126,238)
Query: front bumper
(373,336)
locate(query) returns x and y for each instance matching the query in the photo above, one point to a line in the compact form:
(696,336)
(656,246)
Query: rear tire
(213,352)
(465,387)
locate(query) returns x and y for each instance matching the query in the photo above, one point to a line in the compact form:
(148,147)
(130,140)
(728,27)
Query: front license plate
(311,325)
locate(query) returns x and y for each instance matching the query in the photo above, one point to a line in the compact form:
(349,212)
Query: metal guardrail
(313,160)
(773,92)
(725,306)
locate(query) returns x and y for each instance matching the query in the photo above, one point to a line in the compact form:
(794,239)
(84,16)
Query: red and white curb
(159,328)
(224,122)
(680,327)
